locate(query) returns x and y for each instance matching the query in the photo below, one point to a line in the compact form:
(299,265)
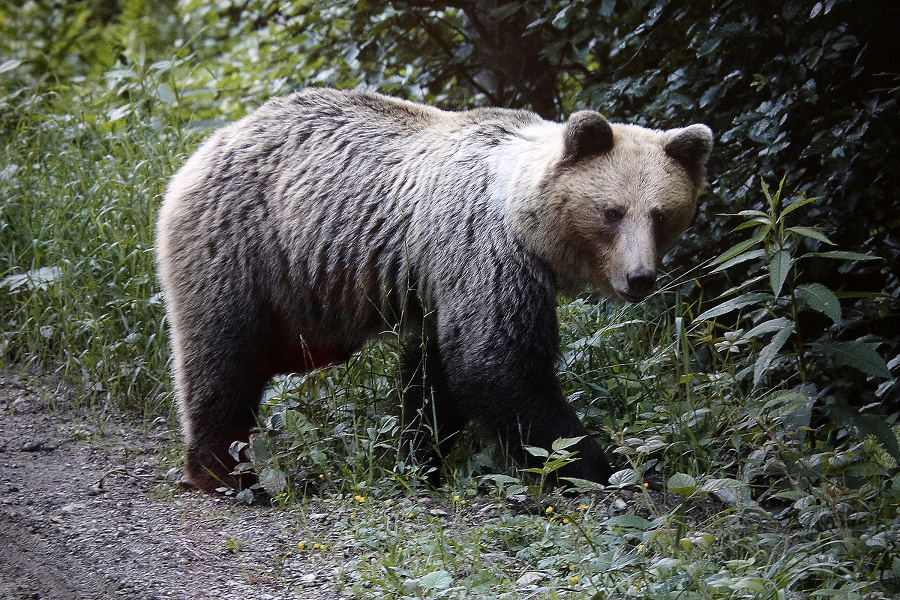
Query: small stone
(530,578)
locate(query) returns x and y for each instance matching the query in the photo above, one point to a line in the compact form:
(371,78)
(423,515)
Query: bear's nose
(641,282)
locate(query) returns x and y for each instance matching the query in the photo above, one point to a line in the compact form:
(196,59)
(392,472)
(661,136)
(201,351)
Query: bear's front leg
(500,368)
(527,408)
(218,396)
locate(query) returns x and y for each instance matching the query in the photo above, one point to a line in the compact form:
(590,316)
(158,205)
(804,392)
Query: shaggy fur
(298,233)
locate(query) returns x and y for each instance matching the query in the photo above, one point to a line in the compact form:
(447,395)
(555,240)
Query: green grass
(745,472)
(77,213)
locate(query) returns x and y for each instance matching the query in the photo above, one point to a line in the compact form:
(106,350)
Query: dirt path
(86,513)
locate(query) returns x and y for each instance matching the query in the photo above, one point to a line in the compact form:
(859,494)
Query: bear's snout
(640,284)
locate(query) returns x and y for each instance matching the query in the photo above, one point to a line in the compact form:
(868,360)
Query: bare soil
(86,512)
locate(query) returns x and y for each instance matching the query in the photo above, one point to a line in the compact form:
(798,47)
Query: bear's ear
(690,146)
(587,133)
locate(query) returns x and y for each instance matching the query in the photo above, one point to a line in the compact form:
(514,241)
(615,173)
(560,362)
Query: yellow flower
(582,507)
(566,521)
(301,545)
(549,510)
(359,498)
(573,579)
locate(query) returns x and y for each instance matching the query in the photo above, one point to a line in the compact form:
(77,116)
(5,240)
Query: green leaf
(751,255)
(765,190)
(812,233)
(500,480)
(860,355)
(682,484)
(630,521)
(779,267)
(754,213)
(820,298)
(600,339)
(9,65)
(737,249)
(583,484)
(245,496)
(769,326)
(793,407)
(733,304)
(842,255)
(563,443)
(436,580)
(714,485)
(273,481)
(561,19)
(165,94)
(505,11)
(515,490)
(765,226)
(795,205)
(535,451)
(768,354)
(623,478)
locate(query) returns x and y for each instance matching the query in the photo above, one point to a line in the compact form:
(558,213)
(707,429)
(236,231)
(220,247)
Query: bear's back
(333,206)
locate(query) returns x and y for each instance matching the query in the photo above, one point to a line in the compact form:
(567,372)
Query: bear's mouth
(631,297)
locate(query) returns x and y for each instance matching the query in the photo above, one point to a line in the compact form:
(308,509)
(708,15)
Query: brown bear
(296,234)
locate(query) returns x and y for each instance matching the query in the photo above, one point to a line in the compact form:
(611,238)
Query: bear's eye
(659,218)
(613,215)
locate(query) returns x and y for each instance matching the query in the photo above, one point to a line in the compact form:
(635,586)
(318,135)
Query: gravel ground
(86,513)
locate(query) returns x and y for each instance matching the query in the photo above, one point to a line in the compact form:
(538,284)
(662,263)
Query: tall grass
(78,293)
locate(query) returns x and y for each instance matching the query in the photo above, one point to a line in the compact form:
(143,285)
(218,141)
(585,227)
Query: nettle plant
(809,397)
(811,423)
(762,315)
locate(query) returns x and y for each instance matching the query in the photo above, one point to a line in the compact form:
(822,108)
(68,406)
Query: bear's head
(613,199)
